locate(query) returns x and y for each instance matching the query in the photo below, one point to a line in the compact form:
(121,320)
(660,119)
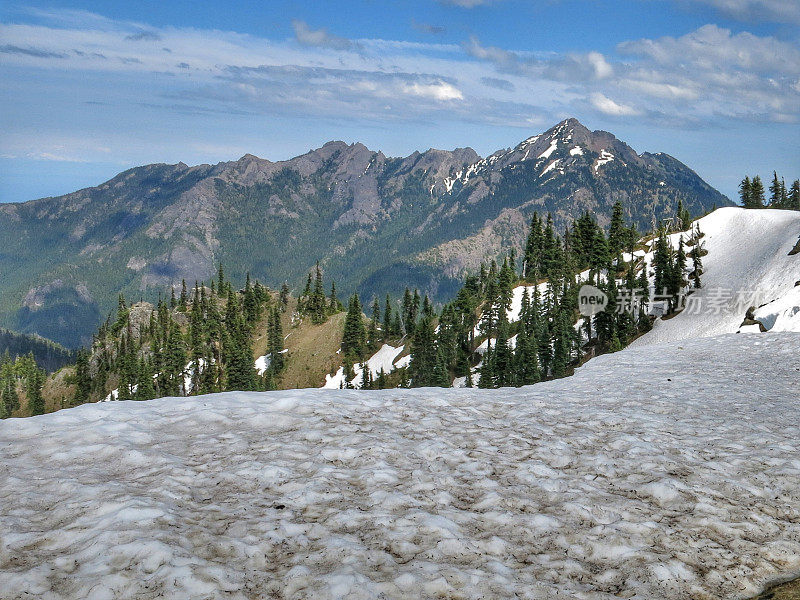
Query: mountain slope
(375,223)
(643,476)
(749,264)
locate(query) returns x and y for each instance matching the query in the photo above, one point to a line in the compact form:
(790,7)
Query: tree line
(545,341)
(753,195)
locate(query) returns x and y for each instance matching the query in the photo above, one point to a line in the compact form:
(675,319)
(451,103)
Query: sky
(89,89)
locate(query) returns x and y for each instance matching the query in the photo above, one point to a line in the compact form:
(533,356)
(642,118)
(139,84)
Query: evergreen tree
(616,231)
(83,379)
(684,217)
(276,341)
(184,296)
(35,381)
(775,195)
(238,353)
(503,358)
(746,192)
(334,306)
(793,200)
(354,337)
(388,324)
(697,261)
(440,376)
(533,250)
(423,354)
(145,389)
(373,338)
(283,298)
(756,193)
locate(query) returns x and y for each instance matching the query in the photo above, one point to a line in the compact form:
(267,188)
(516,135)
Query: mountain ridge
(375,223)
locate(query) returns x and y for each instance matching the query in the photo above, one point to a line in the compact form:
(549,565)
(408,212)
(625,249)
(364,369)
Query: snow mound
(646,475)
(748,261)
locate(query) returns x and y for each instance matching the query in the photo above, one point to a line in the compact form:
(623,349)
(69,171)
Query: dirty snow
(647,475)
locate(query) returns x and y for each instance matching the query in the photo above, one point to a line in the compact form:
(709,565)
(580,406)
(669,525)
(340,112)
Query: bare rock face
(375,223)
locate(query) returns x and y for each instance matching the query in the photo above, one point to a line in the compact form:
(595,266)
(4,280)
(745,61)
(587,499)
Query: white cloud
(607,106)
(438,91)
(782,11)
(319,37)
(601,67)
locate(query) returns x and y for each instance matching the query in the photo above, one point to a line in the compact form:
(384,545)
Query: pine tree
(757,193)
(145,389)
(533,250)
(746,192)
(34,385)
(441,375)
(423,353)
(83,380)
(503,363)
(372,332)
(794,195)
(334,306)
(684,217)
(238,353)
(354,337)
(276,341)
(775,196)
(184,299)
(388,324)
(697,261)
(616,231)
(283,299)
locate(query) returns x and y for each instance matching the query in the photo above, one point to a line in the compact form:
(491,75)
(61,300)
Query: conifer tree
(184,296)
(388,324)
(616,231)
(276,341)
(354,337)
(756,193)
(746,192)
(423,353)
(793,196)
(373,337)
(83,379)
(283,298)
(334,305)
(441,375)
(503,358)
(533,250)
(775,195)
(697,261)
(34,384)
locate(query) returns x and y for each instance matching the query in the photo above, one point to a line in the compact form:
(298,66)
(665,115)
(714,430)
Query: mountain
(375,223)
(48,355)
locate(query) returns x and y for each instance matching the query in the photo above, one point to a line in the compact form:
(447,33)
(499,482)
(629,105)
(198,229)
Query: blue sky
(90,89)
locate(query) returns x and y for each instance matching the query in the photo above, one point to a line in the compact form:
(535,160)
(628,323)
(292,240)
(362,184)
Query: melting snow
(605,157)
(552,148)
(646,475)
(382,359)
(550,167)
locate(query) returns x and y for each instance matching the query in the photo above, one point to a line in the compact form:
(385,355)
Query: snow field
(647,475)
(748,251)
